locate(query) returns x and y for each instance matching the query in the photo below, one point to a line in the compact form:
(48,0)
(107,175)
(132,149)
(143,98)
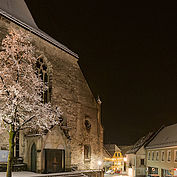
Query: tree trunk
(11,152)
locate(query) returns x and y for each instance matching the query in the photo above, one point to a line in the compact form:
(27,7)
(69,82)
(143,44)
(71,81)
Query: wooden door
(54,160)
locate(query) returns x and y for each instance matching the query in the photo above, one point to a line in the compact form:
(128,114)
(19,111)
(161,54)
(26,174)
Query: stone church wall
(71,92)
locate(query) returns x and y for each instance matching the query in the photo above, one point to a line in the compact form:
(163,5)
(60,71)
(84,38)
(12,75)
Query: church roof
(17,11)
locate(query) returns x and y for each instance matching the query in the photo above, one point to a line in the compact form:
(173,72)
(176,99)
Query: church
(78,142)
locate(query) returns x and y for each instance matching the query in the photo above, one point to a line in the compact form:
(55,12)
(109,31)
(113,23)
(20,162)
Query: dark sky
(128,56)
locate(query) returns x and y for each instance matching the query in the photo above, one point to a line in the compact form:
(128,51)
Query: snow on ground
(31,174)
(19,174)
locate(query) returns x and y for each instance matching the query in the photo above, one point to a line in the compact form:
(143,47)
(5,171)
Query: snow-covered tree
(21,104)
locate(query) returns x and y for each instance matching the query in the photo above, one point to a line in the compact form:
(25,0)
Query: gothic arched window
(44,74)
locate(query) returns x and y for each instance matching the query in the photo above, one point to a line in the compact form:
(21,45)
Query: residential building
(162,153)
(115,160)
(136,157)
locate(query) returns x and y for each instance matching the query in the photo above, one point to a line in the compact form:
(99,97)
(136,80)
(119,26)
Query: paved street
(31,174)
(109,175)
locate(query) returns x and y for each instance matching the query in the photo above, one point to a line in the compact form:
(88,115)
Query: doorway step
(18,165)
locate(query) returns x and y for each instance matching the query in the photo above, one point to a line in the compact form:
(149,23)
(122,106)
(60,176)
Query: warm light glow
(125,159)
(99,162)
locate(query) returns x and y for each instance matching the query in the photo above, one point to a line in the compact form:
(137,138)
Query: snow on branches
(21,104)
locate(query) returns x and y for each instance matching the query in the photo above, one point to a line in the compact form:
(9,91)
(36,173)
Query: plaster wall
(167,165)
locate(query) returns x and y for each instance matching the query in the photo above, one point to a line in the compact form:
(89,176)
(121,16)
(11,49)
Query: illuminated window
(87,152)
(157,155)
(163,156)
(118,154)
(169,155)
(44,75)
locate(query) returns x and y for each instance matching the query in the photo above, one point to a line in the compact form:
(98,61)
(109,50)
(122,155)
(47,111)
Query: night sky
(128,56)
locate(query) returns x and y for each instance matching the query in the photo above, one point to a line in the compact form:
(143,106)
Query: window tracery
(43,72)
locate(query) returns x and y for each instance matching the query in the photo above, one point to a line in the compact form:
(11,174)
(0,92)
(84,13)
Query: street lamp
(125,159)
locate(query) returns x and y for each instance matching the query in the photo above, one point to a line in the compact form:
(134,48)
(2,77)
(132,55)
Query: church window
(87,152)
(87,124)
(44,75)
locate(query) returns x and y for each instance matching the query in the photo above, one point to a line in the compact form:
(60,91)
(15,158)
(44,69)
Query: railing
(87,172)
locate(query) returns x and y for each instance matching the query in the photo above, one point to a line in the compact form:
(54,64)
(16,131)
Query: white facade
(136,163)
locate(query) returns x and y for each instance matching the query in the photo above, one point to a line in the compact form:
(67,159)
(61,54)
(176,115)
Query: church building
(78,143)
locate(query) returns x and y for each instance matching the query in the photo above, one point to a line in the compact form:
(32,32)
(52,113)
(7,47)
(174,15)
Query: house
(162,153)
(78,143)
(136,157)
(113,158)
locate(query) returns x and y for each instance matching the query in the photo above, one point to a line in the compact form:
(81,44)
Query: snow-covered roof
(165,138)
(17,11)
(124,149)
(141,142)
(112,148)
(106,152)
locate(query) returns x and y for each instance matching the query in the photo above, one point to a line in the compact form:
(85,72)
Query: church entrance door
(54,160)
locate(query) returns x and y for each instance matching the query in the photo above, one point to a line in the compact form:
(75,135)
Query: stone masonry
(71,92)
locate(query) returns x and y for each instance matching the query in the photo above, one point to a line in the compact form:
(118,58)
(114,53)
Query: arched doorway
(33,158)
